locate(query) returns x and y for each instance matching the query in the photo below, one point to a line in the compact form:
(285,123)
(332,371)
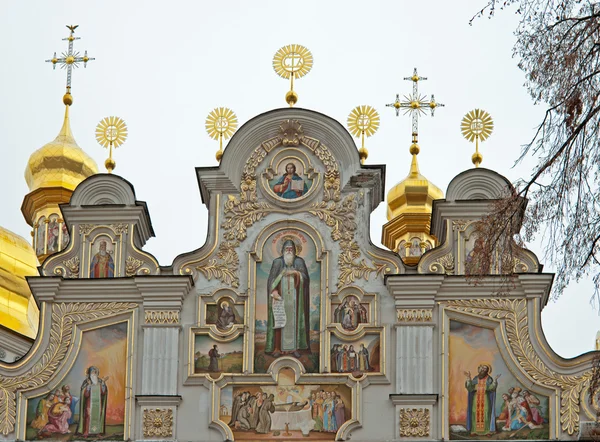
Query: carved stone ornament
(64,318)
(414,315)
(516,321)
(84,229)
(120,228)
(243,211)
(158,422)
(132,265)
(72,266)
(161,317)
(442,265)
(459,224)
(414,422)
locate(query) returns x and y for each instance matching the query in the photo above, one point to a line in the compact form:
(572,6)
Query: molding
(157,400)
(414,399)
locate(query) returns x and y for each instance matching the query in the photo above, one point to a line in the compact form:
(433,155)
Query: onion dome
(18,310)
(409,213)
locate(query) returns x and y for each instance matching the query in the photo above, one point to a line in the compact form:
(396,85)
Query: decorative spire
(111,132)
(68,61)
(415,104)
(292,61)
(363,121)
(220,124)
(477,125)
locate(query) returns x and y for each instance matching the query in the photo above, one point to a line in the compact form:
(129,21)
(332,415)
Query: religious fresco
(288,301)
(224,314)
(53,234)
(286,410)
(211,356)
(350,313)
(40,241)
(89,402)
(359,356)
(290,181)
(102,264)
(485,400)
(65,237)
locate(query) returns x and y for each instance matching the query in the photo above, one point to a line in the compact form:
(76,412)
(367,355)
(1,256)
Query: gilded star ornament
(477,125)
(220,124)
(363,121)
(292,61)
(111,132)
(70,59)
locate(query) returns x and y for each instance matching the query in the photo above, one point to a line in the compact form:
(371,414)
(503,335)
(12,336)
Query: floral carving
(84,229)
(64,317)
(514,314)
(414,315)
(225,266)
(120,228)
(161,317)
(414,422)
(132,265)
(158,422)
(72,266)
(445,264)
(459,224)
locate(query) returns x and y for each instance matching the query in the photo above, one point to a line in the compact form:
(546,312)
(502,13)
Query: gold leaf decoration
(225,266)
(443,265)
(158,422)
(64,317)
(414,422)
(72,266)
(514,314)
(132,265)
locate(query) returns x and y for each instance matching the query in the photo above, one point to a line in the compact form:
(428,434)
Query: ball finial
(477,125)
(220,125)
(291,98)
(110,165)
(363,121)
(68,99)
(111,133)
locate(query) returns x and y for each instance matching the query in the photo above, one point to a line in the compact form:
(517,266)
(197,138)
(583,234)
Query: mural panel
(224,314)
(485,400)
(89,403)
(350,313)
(359,356)
(102,263)
(288,301)
(285,410)
(291,181)
(211,356)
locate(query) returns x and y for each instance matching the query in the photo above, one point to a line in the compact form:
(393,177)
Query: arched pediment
(103,188)
(477,184)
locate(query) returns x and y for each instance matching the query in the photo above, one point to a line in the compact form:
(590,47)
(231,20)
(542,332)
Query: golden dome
(409,202)
(60,163)
(18,310)
(414,194)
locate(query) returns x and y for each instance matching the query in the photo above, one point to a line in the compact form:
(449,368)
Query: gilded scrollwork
(72,266)
(120,228)
(132,265)
(414,422)
(225,266)
(459,225)
(161,317)
(158,422)
(514,314)
(414,314)
(64,318)
(445,264)
(84,229)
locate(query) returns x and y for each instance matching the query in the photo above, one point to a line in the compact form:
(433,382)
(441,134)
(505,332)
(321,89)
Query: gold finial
(363,121)
(111,132)
(415,104)
(475,126)
(292,61)
(221,123)
(69,60)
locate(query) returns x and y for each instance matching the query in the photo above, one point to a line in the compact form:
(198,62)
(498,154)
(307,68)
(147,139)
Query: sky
(163,66)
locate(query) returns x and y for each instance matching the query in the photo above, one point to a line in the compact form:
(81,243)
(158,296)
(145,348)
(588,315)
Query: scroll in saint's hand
(279,314)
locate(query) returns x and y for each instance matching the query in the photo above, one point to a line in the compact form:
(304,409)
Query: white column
(414,359)
(161,359)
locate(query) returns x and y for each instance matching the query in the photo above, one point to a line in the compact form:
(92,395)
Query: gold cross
(70,59)
(415,104)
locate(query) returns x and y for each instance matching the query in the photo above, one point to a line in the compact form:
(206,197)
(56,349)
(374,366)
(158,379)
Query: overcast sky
(162,66)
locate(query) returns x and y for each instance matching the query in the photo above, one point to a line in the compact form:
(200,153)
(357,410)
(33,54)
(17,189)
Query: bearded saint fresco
(92,411)
(288,301)
(481,412)
(102,265)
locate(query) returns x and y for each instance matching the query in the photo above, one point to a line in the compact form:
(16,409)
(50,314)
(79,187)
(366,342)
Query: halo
(221,121)
(486,364)
(224,303)
(477,124)
(294,59)
(111,130)
(363,119)
(294,240)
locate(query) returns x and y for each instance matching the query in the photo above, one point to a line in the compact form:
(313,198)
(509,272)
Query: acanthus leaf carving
(442,265)
(225,267)
(414,422)
(514,314)
(72,266)
(132,265)
(64,317)
(158,422)
(84,229)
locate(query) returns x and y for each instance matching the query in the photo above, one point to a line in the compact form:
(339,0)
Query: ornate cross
(70,59)
(415,104)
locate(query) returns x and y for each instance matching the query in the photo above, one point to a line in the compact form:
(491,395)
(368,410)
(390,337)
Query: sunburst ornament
(220,124)
(111,132)
(292,61)
(477,125)
(363,121)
